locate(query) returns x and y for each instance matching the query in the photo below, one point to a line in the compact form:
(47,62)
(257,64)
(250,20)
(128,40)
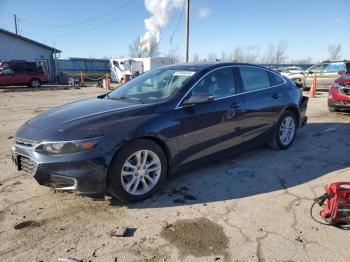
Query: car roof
(209,65)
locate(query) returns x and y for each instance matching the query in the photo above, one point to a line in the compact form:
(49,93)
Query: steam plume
(162,12)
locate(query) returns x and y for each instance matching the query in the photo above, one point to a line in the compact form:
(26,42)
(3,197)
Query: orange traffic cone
(312,91)
(107,82)
(81,79)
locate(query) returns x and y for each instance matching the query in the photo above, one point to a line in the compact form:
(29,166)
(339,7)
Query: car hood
(345,79)
(81,119)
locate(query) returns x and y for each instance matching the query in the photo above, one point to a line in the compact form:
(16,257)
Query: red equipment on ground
(335,203)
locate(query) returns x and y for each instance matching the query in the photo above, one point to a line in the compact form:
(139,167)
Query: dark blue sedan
(127,141)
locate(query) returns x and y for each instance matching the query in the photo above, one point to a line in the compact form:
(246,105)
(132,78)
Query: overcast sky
(106,27)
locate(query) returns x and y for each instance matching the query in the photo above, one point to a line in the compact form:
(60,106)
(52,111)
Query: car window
(7,71)
(154,86)
(254,78)
(334,67)
(219,83)
(318,68)
(22,70)
(275,79)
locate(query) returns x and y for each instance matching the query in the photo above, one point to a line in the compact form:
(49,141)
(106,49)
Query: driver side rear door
(207,128)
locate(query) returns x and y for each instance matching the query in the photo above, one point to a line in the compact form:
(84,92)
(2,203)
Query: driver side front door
(207,128)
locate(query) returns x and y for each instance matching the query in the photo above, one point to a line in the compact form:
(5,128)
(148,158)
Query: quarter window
(220,83)
(275,79)
(254,78)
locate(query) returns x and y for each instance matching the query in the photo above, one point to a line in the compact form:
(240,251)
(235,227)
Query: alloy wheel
(35,83)
(141,172)
(287,130)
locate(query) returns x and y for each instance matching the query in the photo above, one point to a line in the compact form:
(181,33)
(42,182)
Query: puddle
(197,237)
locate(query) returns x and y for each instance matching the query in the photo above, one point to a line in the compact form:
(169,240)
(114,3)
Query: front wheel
(285,131)
(35,83)
(137,171)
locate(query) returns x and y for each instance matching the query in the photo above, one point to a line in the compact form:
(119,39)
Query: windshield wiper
(138,100)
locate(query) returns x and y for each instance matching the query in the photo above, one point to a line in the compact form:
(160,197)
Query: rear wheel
(137,171)
(35,83)
(285,131)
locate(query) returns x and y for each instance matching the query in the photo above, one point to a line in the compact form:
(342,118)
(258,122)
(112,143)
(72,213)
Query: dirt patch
(29,223)
(197,237)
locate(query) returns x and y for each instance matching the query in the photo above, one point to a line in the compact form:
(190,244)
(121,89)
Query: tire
(278,143)
(130,187)
(332,109)
(35,83)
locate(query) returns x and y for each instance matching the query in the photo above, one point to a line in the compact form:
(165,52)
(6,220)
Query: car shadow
(319,149)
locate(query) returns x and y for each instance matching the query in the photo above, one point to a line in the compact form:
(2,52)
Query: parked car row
(325,72)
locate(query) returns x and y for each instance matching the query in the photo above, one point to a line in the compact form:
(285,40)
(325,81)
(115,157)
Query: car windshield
(154,86)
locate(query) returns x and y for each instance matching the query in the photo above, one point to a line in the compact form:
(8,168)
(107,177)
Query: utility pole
(187,30)
(15,17)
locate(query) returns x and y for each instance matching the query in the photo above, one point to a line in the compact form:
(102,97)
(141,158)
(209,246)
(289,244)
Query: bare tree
(280,55)
(238,54)
(275,54)
(334,51)
(223,56)
(211,57)
(153,49)
(134,48)
(195,58)
(269,57)
(174,55)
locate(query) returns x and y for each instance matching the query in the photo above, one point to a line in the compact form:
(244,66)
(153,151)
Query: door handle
(236,105)
(276,96)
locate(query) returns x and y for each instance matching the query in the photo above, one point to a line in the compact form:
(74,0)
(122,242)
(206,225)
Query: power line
(83,21)
(91,29)
(178,22)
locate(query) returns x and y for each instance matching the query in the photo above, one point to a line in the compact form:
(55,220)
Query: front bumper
(302,109)
(338,99)
(83,172)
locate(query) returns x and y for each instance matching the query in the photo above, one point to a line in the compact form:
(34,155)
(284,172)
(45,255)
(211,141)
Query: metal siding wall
(16,49)
(85,65)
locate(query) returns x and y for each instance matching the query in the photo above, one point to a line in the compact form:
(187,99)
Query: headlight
(67,147)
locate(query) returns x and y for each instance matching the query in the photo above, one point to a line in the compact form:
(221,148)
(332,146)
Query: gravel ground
(249,207)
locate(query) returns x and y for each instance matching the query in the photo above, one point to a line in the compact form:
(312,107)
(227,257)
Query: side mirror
(198,99)
(310,72)
(342,72)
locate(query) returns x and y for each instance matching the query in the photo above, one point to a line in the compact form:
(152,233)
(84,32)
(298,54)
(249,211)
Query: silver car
(326,73)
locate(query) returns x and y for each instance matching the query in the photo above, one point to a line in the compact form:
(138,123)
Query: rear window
(275,79)
(254,78)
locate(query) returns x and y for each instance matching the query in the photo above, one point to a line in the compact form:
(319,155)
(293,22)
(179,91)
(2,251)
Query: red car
(339,93)
(14,75)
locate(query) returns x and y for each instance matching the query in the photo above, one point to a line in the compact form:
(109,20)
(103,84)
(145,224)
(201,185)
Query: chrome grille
(26,164)
(25,142)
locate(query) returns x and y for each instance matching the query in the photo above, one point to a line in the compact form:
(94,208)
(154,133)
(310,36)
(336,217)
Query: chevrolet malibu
(127,141)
